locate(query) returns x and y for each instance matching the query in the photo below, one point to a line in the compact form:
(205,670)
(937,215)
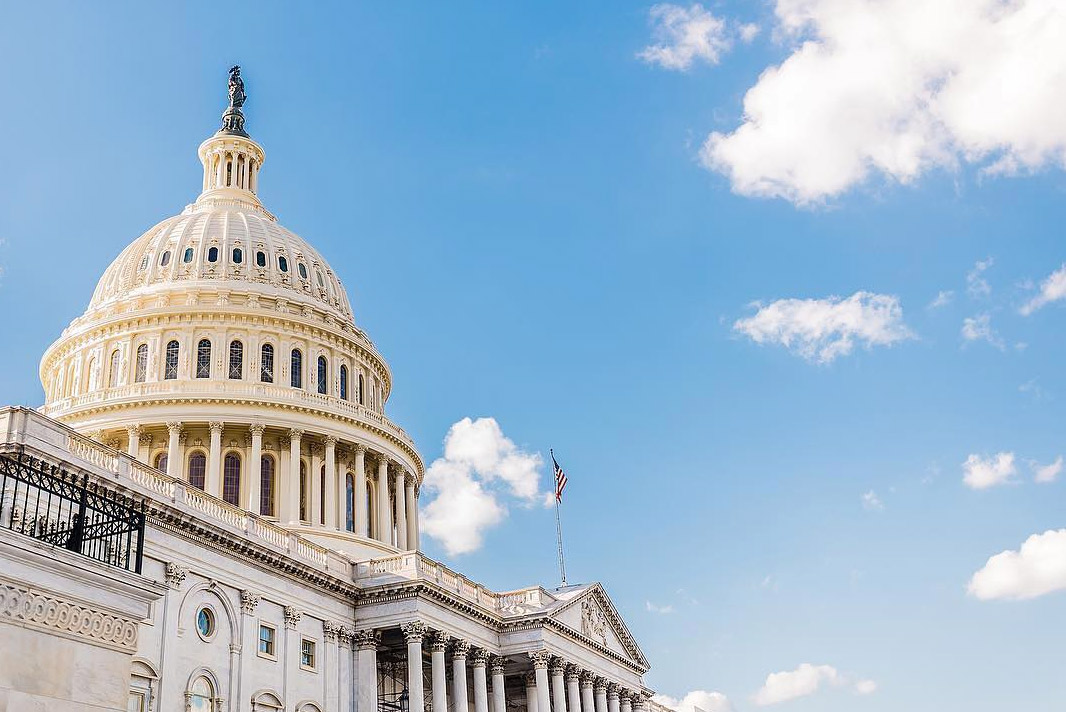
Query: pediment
(592,614)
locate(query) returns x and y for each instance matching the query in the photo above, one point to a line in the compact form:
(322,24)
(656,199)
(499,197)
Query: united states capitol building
(213,512)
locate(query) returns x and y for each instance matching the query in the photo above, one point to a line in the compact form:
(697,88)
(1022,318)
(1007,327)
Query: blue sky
(560,217)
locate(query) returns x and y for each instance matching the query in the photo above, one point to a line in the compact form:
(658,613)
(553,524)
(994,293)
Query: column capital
(558,666)
(587,678)
(216,426)
(625,695)
(479,658)
(540,659)
(182,436)
(315,449)
(359,449)
(572,672)
(460,648)
(367,639)
(132,430)
(599,685)
(292,617)
(174,426)
(345,635)
(413,631)
(249,602)
(330,630)
(174,574)
(440,641)
(496,664)
(612,690)
(383,460)
(330,440)
(531,679)
(257,429)
(295,433)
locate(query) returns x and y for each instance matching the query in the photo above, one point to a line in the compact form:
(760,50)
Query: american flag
(560,479)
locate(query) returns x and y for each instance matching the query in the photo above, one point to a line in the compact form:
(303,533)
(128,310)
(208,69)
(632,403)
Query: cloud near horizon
(806,680)
(895,89)
(696,701)
(481,469)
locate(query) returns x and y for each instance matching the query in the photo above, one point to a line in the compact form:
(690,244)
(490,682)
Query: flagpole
(558,525)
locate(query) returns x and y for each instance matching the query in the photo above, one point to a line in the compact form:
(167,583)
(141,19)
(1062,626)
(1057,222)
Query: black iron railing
(46,502)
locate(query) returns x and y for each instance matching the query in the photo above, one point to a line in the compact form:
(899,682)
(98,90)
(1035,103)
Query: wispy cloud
(980,472)
(977,285)
(942,299)
(805,680)
(1052,289)
(684,36)
(870,501)
(1044,474)
(654,608)
(979,328)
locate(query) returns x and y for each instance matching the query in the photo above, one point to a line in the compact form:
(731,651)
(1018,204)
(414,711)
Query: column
(587,704)
(413,633)
(133,447)
(249,637)
(626,698)
(362,525)
(255,469)
(439,672)
(384,524)
(366,641)
(330,515)
(531,691)
(573,696)
(401,509)
(558,667)
(314,491)
(478,660)
(639,703)
(213,483)
(412,513)
(290,647)
(460,700)
(345,680)
(612,697)
(290,501)
(174,450)
(540,668)
(499,690)
(599,693)
(330,669)
(145,455)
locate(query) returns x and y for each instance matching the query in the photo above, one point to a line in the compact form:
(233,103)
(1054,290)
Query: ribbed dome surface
(223,245)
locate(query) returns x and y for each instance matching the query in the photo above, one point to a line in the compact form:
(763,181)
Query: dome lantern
(231,159)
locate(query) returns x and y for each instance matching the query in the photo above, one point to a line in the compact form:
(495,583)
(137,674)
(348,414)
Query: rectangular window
(307,654)
(266,640)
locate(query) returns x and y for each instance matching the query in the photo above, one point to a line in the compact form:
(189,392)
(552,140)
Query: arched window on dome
(283,264)
(197,469)
(71,388)
(260,259)
(229,172)
(304,486)
(141,369)
(161,461)
(349,502)
(231,478)
(322,375)
(296,366)
(238,255)
(90,375)
(371,529)
(201,696)
(362,389)
(236,360)
(212,254)
(165,259)
(113,374)
(187,257)
(203,359)
(302,269)
(266,364)
(344,382)
(318,275)
(170,369)
(266,486)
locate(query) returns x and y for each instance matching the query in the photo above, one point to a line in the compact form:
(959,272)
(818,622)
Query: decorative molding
(174,574)
(33,608)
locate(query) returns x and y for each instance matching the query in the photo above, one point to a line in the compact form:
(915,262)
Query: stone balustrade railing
(21,426)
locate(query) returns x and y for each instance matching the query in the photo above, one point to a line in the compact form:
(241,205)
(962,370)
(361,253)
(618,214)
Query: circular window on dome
(205,623)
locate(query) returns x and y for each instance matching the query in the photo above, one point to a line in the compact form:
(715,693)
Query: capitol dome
(221,348)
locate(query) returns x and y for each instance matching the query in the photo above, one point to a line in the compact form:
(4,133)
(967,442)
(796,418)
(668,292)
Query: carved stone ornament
(587,678)
(413,631)
(174,574)
(440,641)
(249,601)
(479,658)
(531,679)
(36,609)
(460,648)
(600,686)
(496,665)
(330,630)
(292,617)
(593,622)
(345,635)
(367,639)
(540,659)
(558,667)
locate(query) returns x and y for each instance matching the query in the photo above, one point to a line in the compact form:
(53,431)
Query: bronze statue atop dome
(233,119)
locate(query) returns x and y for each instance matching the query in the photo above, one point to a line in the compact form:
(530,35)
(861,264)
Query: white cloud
(696,701)
(865,687)
(979,328)
(984,472)
(748,32)
(896,88)
(1052,289)
(1037,568)
(653,608)
(821,330)
(804,680)
(480,468)
(976,284)
(685,35)
(943,298)
(871,501)
(1046,473)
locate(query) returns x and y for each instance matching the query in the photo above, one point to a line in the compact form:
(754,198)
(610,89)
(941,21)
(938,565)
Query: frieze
(25,606)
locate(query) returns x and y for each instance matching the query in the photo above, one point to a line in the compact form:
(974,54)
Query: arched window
(321,374)
(303,492)
(212,254)
(116,361)
(197,470)
(170,370)
(296,367)
(141,369)
(344,382)
(187,257)
(71,387)
(236,360)
(362,401)
(161,461)
(371,530)
(283,264)
(266,364)
(349,495)
(318,275)
(260,259)
(203,359)
(90,375)
(165,259)
(238,255)
(231,478)
(201,696)
(266,486)
(302,269)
